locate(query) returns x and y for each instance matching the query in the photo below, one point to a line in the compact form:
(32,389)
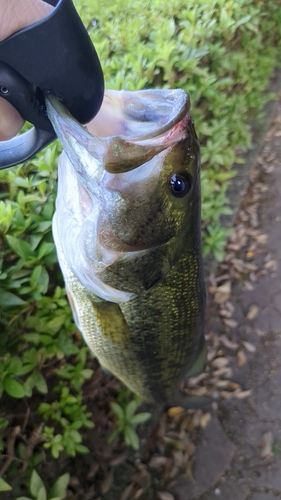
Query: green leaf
(36,484)
(24,498)
(14,366)
(40,382)
(25,369)
(82,449)
(131,438)
(130,409)
(87,373)
(42,493)
(140,418)
(35,276)
(59,487)
(4,486)
(56,323)
(45,249)
(32,337)
(20,247)
(113,435)
(44,226)
(9,299)
(13,388)
(116,408)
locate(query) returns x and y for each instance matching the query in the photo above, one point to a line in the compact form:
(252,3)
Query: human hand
(14,16)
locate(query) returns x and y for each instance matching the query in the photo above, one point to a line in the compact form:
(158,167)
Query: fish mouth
(139,115)
(130,128)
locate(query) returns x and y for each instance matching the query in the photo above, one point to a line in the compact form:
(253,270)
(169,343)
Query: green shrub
(223,53)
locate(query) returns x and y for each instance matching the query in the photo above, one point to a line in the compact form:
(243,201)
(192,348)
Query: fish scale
(168,323)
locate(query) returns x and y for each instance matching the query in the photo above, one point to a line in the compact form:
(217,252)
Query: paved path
(254,424)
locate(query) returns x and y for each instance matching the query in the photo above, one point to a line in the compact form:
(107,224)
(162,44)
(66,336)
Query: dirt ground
(253,424)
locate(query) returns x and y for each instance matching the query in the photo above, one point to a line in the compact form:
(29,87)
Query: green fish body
(127,233)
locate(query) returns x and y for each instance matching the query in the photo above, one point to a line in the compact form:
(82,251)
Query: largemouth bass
(127,233)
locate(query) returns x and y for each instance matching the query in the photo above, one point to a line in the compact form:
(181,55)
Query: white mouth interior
(138,115)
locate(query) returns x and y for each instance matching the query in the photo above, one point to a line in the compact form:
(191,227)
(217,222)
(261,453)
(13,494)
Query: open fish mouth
(139,115)
(114,206)
(130,128)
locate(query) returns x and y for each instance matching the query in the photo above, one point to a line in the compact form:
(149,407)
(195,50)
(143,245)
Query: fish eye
(180,184)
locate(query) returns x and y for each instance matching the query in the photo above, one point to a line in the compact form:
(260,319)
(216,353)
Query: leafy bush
(223,53)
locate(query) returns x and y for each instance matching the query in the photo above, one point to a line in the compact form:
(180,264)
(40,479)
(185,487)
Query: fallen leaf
(226,394)
(248,285)
(252,277)
(196,418)
(248,346)
(190,449)
(222,384)
(242,394)
(261,238)
(178,458)
(223,372)
(118,459)
(93,470)
(211,354)
(231,323)
(199,391)
(205,419)
(233,386)
(107,482)
(250,267)
(193,381)
(220,298)
(139,493)
(241,358)
(164,495)
(127,492)
(259,332)
(187,424)
(222,277)
(189,471)
(266,446)
(250,254)
(157,462)
(252,312)
(222,293)
(175,411)
(225,312)
(220,362)
(271,264)
(225,288)
(229,344)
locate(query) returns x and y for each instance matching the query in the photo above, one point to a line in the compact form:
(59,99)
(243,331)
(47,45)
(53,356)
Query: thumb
(10,120)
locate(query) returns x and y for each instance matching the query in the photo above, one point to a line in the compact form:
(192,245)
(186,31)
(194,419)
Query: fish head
(128,200)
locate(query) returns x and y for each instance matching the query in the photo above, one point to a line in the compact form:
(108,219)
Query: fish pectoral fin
(199,366)
(111,322)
